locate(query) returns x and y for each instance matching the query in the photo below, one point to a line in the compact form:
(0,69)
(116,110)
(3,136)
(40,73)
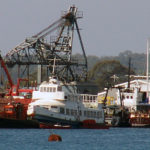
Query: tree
(103,71)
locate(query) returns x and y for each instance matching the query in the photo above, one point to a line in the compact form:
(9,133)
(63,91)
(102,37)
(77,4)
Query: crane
(14,90)
(6,71)
(42,48)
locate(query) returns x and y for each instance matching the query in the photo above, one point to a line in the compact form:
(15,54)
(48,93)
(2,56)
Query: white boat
(58,103)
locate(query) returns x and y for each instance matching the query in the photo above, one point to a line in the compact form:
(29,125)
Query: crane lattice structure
(53,51)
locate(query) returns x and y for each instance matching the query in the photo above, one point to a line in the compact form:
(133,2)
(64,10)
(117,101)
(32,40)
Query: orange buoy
(55,137)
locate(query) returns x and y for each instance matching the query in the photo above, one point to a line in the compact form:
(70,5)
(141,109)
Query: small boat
(58,103)
(14,103)
(14,115)
(140,119)
(55,126)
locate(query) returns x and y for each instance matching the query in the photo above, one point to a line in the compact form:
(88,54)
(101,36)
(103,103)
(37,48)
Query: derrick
(44,49)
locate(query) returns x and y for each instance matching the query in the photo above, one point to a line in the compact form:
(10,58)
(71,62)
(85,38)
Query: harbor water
(112,139)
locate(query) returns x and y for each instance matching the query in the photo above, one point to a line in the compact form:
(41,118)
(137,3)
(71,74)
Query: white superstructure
(130,97)
(57,102)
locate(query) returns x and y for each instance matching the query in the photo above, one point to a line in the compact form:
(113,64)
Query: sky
(108,27)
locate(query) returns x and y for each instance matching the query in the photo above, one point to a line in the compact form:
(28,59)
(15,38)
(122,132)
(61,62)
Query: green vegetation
(138,61)
(102,70)
(106,73)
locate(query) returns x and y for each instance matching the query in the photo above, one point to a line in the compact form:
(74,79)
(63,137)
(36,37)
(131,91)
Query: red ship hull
(13,113)
(87,124)
(140,120)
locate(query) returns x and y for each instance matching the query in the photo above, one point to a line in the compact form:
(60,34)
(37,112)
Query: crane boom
(6,71)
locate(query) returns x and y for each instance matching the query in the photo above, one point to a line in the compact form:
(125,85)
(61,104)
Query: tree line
(110,70)
(105,71)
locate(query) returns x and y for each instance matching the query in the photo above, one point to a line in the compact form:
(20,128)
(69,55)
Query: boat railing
(73,97)
(89,100)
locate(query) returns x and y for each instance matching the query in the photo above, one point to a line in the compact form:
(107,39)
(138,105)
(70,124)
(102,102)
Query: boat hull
(140,119)
(57,123)
(16,123)
(13,113)
(140,122)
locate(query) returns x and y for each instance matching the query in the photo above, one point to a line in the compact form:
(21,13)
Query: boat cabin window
(44,89)
(54,89)
(55,107)
(88,114)
(75,112)
(8,109)
(59,88)
(62,110)
(72,112)
(99,114)
(28,95)
(80,112)
(83,97)
(41,89)
(93,114)
(94,97)
(47,89)
(88,98)
(67,112)
(50,89)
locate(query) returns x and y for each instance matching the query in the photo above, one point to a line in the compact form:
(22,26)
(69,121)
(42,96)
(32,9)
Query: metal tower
(53,51)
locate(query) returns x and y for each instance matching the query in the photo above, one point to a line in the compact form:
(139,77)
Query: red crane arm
(6,71)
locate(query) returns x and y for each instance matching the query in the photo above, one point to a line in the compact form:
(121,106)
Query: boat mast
(53,72)
(129,72)
(147,70)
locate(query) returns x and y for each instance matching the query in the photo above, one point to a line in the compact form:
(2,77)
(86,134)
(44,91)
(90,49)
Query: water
(112,139)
